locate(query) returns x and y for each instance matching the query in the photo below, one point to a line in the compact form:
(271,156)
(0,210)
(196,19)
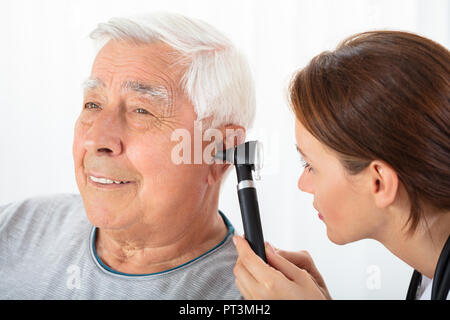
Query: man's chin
(106,216)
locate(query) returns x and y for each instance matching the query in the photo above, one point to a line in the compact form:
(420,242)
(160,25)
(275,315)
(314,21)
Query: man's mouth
(108,183)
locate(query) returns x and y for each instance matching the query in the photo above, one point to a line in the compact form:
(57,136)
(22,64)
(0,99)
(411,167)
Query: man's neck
(144,249)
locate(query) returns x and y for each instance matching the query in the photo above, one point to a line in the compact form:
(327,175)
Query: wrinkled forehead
(120,62)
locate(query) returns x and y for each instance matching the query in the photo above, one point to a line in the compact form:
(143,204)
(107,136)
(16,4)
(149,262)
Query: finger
(243,290)
(303,260)
(252,262)
(290,270)
(245,282)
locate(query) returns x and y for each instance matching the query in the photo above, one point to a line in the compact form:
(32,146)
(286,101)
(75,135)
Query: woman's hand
(288,275)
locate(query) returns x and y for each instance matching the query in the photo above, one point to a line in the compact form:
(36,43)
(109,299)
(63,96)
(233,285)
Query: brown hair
(383,95)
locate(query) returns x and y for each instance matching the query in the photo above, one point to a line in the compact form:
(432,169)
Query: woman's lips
(318,213)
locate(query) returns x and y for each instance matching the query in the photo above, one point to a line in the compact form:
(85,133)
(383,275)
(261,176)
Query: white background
(46,54)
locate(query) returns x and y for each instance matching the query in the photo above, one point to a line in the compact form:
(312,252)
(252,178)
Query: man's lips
(106,176)
(104,181)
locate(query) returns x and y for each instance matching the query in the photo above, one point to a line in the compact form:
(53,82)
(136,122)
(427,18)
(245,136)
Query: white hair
(218,80)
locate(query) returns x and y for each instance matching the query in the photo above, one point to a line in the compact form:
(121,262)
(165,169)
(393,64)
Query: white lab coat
(425,289)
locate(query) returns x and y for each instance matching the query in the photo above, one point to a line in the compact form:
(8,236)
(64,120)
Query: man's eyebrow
(149,91)
(92,84)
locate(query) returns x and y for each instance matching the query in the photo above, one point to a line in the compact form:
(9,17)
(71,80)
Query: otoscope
(247,157)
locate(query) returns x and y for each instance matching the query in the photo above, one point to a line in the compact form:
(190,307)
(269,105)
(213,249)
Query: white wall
(46,54)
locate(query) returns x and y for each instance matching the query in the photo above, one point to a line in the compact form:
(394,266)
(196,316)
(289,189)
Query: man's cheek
(149,158)
(78,141)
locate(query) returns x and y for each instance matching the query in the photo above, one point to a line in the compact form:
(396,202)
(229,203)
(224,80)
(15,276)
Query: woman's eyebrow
(301,152)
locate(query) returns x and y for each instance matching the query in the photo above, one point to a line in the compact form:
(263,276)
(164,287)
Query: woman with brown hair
(372,125)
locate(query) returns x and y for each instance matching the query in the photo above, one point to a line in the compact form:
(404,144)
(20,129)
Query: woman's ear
(233,135)
(384,182)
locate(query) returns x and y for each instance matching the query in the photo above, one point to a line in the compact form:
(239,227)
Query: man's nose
(104,136)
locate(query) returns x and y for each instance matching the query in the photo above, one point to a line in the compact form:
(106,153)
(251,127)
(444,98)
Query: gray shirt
(47,251)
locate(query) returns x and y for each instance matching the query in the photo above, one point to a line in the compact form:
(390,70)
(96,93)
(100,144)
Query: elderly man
(144,226)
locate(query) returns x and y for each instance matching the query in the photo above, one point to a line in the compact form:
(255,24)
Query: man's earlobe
(232,135)
(216,172)
(211,181)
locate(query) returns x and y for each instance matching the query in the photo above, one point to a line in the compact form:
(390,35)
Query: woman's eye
(91,105)
(307,166)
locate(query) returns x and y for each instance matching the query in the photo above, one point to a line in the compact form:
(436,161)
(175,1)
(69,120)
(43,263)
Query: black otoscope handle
(248,202)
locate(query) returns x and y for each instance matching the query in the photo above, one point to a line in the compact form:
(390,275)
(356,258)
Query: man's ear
(384,183)
(232,136)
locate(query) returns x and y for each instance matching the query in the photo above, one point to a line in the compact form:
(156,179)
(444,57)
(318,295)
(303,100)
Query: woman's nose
(305,182)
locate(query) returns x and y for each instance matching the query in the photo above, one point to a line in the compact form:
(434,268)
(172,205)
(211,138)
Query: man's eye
(142,111)
(91,105)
